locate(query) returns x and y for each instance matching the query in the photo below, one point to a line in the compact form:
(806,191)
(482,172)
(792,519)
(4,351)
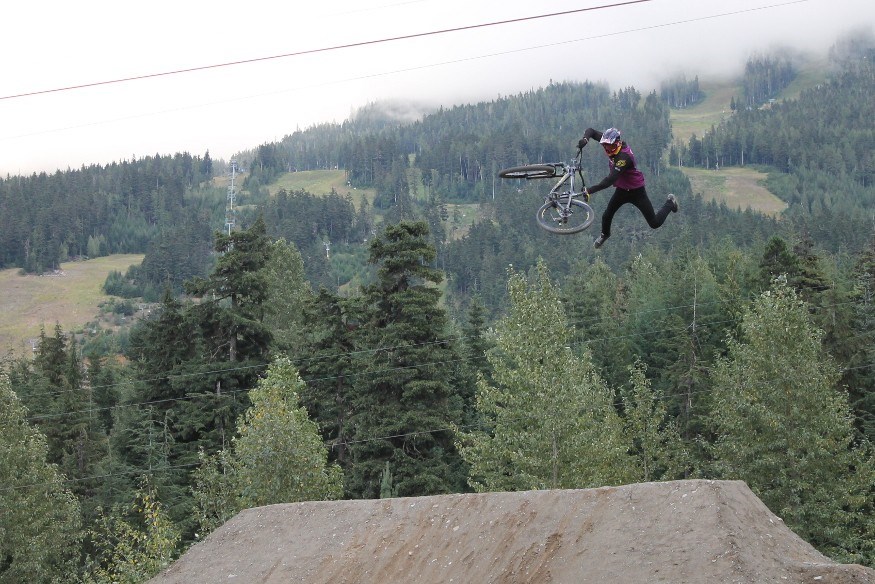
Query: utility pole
(232,193)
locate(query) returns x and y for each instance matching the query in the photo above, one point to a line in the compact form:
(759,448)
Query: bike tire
(529,171)
(582,217)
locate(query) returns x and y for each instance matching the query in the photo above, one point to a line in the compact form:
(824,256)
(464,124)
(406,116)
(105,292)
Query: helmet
(610,136)
(611,141)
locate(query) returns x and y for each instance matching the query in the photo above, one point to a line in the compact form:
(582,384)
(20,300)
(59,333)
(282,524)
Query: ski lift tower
(232,194)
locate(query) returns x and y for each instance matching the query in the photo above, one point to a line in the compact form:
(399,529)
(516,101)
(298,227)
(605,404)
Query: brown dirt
(682,531)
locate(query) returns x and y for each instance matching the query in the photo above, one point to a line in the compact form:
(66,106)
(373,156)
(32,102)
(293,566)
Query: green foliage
(93,211)
(387,490)
(39,516)
(859,375)
(784,429)
(214,489)
(287,292)
(277,455)
(132,550)
(681,93)
(309,222)
(549,420)
(280,456)
(403,400)
(817,148)
(657,446)
(765,76)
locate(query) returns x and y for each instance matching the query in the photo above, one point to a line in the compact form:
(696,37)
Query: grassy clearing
(320,182)
(70,297)
(709,112)
(461,218)
(739,188)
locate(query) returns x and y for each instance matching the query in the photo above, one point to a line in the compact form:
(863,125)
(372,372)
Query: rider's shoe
(600,240)
(672,200)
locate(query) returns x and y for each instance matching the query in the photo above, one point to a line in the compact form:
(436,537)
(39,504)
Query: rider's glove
(582,142)
(586,194)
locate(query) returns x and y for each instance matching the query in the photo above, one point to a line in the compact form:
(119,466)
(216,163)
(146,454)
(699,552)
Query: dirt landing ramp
(683,531)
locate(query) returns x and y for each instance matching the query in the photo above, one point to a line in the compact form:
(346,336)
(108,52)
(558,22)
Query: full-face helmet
(611,141)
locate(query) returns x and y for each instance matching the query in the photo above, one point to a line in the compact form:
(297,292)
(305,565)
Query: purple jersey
(628,175)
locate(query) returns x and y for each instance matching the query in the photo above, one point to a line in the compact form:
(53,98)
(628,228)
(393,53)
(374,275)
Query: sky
(225,77)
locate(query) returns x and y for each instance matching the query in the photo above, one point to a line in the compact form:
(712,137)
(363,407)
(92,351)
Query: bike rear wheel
(529,171)
(554,219)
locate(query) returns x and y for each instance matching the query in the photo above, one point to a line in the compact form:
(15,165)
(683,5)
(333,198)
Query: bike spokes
(563,217)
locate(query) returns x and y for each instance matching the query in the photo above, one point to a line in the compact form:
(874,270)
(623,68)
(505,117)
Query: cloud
(236,107)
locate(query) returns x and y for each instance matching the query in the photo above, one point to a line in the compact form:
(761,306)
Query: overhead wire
(164,468)
(362,77)
(460,338)
(329,49)
(180,71)
(676,332)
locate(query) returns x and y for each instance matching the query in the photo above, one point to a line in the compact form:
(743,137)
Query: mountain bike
(565,210)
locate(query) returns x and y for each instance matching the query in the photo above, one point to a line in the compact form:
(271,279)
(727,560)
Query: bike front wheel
(555,219)
(529,171)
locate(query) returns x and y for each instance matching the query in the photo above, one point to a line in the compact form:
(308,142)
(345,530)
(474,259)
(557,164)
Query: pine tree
(39,516)
(860,374)
(549,419)
(784,429)
(287,293)
(330,367)
(232,313)
(404,402)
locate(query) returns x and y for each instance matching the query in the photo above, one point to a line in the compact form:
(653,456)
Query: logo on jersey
(619,164)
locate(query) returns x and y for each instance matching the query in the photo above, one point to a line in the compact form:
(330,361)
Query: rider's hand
(581,143)
(585,194)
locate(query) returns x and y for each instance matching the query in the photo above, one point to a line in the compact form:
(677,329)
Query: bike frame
(564,198)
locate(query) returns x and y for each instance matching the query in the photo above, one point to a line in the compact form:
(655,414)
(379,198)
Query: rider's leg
(639,198)
(617,200)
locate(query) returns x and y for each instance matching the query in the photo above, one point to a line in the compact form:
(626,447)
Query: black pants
(637,197)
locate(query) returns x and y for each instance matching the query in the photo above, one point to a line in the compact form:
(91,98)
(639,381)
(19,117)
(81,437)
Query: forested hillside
(820,147)
(724,345)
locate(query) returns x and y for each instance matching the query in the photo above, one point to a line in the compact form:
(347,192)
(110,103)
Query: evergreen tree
(784,429)
(39,516)
(549,419)
(404,402)
(859,377)
(476,344)
(330,367)
(596,303)
(287,292)
(232,313)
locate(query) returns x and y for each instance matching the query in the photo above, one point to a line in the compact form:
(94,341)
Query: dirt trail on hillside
(682,531)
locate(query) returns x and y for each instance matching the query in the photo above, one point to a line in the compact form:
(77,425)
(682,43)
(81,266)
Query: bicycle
(562,212)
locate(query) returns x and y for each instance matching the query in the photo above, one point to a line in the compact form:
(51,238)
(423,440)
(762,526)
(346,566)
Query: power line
(615,403)
(677,331)
(326,49)
(361,77)
(461,338)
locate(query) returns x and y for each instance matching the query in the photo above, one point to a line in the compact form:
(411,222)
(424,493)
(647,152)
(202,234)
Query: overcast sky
(49,45)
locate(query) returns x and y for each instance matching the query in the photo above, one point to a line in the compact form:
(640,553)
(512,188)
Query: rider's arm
(621,163)
(592,133)
(606,182)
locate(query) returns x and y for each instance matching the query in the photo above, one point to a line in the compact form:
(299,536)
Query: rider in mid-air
(627,180)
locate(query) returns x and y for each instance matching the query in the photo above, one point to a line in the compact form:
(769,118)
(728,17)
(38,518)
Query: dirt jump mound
(681,531)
